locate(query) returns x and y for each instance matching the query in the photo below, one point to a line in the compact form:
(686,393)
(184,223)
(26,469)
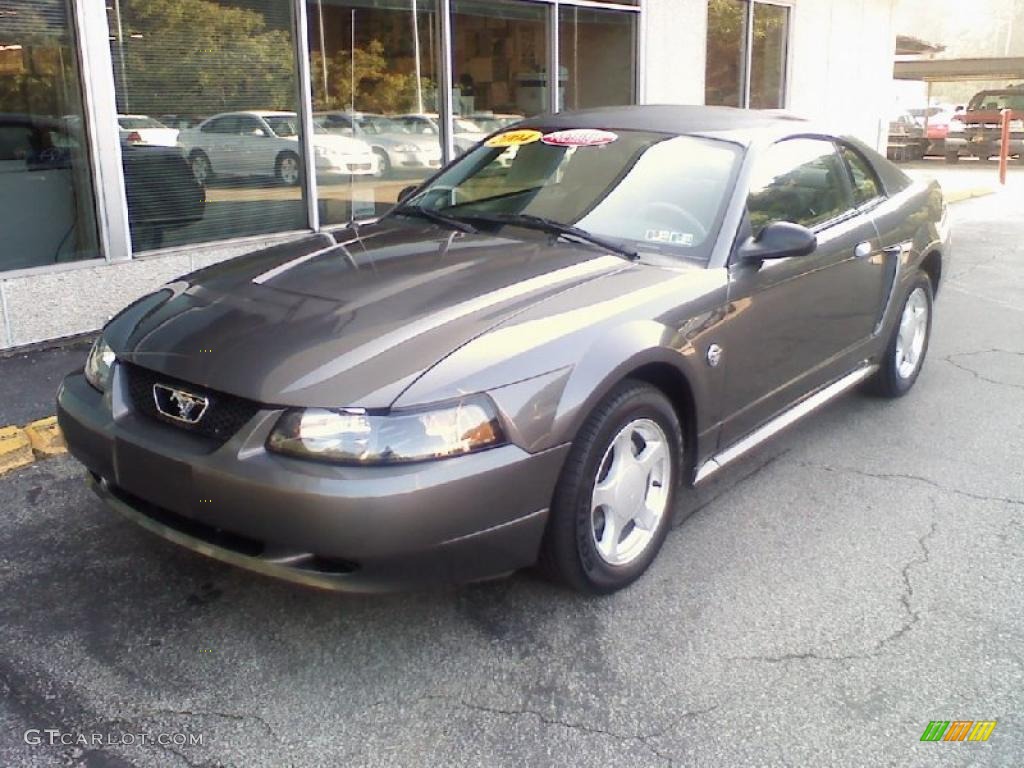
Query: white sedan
(144,130)
(266,143)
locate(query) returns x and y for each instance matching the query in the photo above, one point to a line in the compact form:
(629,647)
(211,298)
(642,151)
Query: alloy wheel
(288,169)
(631,492)
(911,335)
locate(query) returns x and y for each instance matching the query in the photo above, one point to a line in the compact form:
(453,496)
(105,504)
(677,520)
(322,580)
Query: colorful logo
(513,138)
(579,137)
(958,730)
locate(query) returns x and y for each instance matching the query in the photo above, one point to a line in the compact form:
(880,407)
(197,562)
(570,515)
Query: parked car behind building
(980,125)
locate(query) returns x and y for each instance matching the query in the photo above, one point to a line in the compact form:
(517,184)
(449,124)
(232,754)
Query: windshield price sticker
(513,138)
(580,137)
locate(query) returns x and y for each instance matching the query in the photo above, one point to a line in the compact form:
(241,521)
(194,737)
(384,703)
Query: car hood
(322,323)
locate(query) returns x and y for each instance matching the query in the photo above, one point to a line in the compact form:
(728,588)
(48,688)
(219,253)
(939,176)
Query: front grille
(224,416)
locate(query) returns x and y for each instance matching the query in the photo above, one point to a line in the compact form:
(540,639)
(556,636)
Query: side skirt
(783,420)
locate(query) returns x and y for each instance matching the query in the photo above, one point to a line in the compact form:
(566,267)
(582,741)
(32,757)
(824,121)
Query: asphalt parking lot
(855,579)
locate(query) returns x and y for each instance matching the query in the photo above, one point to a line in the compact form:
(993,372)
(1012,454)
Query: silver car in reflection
(397,148)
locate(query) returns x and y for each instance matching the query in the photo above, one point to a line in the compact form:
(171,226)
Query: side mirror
(404,194)
(779,240)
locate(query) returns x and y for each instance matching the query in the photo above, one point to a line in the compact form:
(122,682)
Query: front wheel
(904,354)
(383,164)
(614,500)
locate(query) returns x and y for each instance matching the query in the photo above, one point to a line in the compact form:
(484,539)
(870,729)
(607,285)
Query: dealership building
(143,139)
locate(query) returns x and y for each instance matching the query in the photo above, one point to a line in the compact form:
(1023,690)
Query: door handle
(863,250)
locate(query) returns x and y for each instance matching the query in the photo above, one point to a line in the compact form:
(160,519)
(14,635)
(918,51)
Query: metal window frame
(748,42)
(300,32)
(99,112)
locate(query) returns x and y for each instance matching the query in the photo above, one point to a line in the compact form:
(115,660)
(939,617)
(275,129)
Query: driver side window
(802,181)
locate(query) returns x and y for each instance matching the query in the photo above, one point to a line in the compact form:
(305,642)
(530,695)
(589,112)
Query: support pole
(1004,145)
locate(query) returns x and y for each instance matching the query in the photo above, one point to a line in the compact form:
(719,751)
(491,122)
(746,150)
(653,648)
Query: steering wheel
(445,192)
(674,216)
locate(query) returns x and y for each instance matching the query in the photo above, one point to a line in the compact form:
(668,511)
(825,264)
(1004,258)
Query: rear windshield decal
(579,137)
(513,138)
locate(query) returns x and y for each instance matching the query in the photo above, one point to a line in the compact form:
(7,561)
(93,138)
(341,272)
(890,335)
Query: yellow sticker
(513,138)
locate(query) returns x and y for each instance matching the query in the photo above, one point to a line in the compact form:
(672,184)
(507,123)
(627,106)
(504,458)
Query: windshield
(378,125)
(988,102)
(287,126)
(653,191)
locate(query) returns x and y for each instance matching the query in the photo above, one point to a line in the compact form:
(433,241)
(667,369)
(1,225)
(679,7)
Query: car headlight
(352,436)
(100,365)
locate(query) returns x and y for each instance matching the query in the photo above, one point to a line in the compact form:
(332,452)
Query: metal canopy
(1010,69)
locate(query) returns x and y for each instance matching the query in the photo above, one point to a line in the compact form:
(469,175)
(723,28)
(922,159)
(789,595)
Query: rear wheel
(904,355)
(614,500)
(288,169)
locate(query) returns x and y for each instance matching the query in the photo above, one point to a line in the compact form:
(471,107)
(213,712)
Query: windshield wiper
(556,228)
(438,218)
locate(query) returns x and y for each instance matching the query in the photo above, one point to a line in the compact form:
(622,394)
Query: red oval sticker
(579,137)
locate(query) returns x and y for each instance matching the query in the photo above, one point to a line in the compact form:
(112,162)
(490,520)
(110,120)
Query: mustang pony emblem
(178,404)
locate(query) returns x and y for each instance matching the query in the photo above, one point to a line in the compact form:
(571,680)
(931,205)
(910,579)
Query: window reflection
(207,100)
(48,212)
(768,56)
(374,82)
(726,53)
(499,65)
(731,30)
(597,56)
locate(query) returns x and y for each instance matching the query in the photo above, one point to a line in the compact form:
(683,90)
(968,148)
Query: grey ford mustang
(527,360)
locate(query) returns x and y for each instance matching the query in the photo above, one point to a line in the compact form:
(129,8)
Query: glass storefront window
(499,66)
(373,67)
(207,100)
(597,53)
(726,53)
(731,31)
(48,215)
(768,56)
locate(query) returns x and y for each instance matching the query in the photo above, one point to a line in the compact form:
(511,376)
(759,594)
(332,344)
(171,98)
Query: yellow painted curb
(960,195)
(15,449)
(46,437)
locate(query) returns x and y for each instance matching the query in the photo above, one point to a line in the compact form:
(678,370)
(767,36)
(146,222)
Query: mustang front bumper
(356,529)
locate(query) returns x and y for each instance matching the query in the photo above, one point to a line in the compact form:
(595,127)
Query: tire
(202,168)
(288,169)
(952,157)
(896,375)
(580,550)
(383,164)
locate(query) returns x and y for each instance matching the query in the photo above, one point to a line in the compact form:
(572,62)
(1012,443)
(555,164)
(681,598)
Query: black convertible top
(741,126)
(737,124)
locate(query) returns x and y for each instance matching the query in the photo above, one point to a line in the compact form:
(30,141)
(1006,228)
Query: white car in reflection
(266,143)
(398,149)
(142,130)
(466,134)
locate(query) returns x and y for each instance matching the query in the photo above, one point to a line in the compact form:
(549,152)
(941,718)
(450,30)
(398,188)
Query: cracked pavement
(859,576)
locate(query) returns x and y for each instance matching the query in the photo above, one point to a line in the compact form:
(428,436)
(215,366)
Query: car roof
(740,125)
